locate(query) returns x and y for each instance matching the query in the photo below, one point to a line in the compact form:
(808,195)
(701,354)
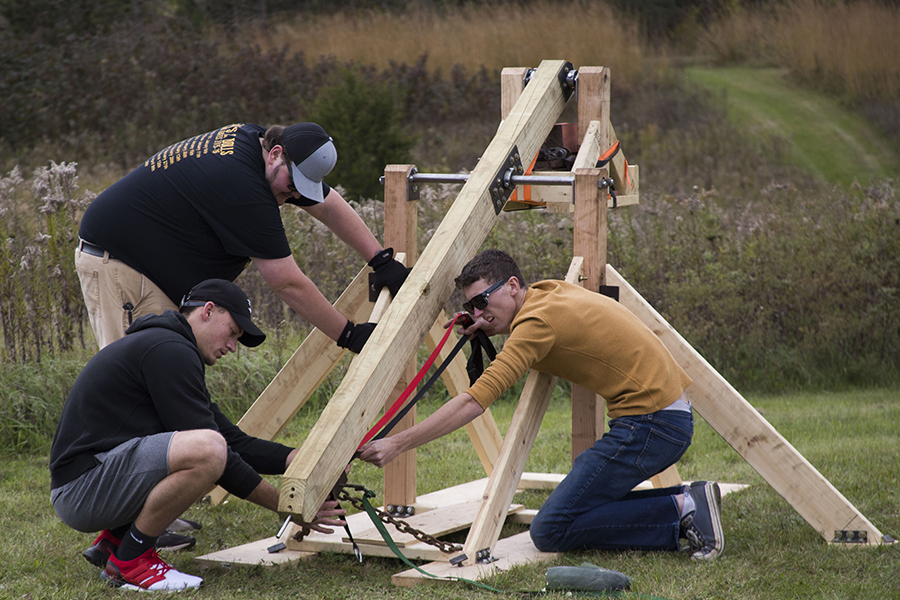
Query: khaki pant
(108,285)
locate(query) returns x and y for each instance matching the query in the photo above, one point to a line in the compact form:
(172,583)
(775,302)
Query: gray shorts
(112,494)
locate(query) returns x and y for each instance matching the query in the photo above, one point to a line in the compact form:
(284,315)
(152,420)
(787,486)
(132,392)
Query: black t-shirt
(196,210)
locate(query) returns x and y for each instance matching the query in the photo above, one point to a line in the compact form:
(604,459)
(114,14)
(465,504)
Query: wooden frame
(415,315)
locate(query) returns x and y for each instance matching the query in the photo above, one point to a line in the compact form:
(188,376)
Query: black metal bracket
(457,561)
(276,548)
(850,537)
(373,293)
(501,185)
(568,79)
(412,187)
(484,557)
(610,291)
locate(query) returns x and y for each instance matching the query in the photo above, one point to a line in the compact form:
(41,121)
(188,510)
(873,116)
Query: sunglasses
(480,301)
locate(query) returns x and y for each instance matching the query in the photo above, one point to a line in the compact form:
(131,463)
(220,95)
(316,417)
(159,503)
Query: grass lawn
(771,551)
(826,138)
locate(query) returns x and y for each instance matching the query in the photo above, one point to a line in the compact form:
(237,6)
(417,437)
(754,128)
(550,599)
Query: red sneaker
(105,544)
(147,573)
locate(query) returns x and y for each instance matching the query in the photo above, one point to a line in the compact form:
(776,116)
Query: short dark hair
(275,137)
(492,266)
(186,310)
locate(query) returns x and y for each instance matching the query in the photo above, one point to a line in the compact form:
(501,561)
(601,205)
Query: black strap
(475,364)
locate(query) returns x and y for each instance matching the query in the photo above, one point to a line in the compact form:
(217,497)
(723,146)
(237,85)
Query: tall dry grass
(493,36)
(852,48)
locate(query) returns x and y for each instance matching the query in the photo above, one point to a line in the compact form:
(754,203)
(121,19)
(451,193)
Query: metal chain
(401,525)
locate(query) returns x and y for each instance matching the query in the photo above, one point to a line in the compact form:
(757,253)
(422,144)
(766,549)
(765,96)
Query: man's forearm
(336,214)
(457,412)
(265,495)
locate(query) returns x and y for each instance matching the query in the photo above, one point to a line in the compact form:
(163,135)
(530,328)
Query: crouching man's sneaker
(703,527)
(105,544)
(147,573)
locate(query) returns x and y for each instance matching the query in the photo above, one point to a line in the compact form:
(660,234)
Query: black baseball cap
(232,298)
(313,156)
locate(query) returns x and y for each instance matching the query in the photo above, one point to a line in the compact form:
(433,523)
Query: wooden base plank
(511,551)
(251,555)
(469,494)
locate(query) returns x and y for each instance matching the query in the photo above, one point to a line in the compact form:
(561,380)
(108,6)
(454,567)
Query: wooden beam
(401,221)
(589,242)
(748,432)
(372,374)
(625,176)
(511,80)
(502,483)
(593,103)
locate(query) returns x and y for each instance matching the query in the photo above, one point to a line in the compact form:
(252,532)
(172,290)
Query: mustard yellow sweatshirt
(588,339)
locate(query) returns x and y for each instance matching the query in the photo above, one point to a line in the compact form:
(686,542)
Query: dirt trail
(828,139)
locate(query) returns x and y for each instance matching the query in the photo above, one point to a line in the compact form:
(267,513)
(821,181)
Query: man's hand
(468,324)
(388,272)
(355,337)
(379,452)
(328,516)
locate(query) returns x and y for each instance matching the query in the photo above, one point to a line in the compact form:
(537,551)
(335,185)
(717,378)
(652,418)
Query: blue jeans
(594,506)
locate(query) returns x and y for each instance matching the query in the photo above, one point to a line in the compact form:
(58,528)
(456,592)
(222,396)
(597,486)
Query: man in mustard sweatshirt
(589,339)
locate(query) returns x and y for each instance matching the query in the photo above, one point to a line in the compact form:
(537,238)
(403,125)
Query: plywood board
(509,552)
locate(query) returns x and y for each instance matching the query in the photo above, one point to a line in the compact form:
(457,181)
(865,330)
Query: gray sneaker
(703,527)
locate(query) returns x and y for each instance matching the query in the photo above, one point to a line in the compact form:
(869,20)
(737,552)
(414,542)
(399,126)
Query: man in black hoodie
(139,440)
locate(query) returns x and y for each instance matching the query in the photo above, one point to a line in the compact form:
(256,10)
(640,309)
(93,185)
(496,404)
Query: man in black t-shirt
(207,206)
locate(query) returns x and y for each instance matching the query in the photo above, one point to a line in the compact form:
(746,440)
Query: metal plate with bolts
(501,185)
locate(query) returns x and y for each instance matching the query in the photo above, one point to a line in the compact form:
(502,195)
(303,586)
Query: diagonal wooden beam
(748,432)
(372,374)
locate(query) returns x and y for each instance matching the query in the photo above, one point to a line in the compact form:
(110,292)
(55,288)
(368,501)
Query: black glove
(355,337)
(388,272)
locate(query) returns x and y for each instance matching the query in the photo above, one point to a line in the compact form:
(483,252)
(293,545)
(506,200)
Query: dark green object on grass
(587,577)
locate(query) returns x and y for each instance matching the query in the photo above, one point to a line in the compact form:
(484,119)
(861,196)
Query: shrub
(362,116)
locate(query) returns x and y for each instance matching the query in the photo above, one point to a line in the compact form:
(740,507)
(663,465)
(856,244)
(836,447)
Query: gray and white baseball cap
(313,156)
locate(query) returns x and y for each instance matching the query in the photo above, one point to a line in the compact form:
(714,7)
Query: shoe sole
(714,501)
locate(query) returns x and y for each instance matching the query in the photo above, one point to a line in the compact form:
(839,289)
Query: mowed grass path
(826,138)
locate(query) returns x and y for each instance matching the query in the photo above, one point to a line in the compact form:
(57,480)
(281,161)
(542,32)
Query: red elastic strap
(410,388)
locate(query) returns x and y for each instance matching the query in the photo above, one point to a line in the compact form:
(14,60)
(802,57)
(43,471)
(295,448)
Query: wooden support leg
(400,229)
(501,486)
(773,457)
(590,243)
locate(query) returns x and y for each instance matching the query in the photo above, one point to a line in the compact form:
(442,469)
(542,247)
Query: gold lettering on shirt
(220,142)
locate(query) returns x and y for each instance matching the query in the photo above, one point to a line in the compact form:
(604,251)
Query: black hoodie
(152,381)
